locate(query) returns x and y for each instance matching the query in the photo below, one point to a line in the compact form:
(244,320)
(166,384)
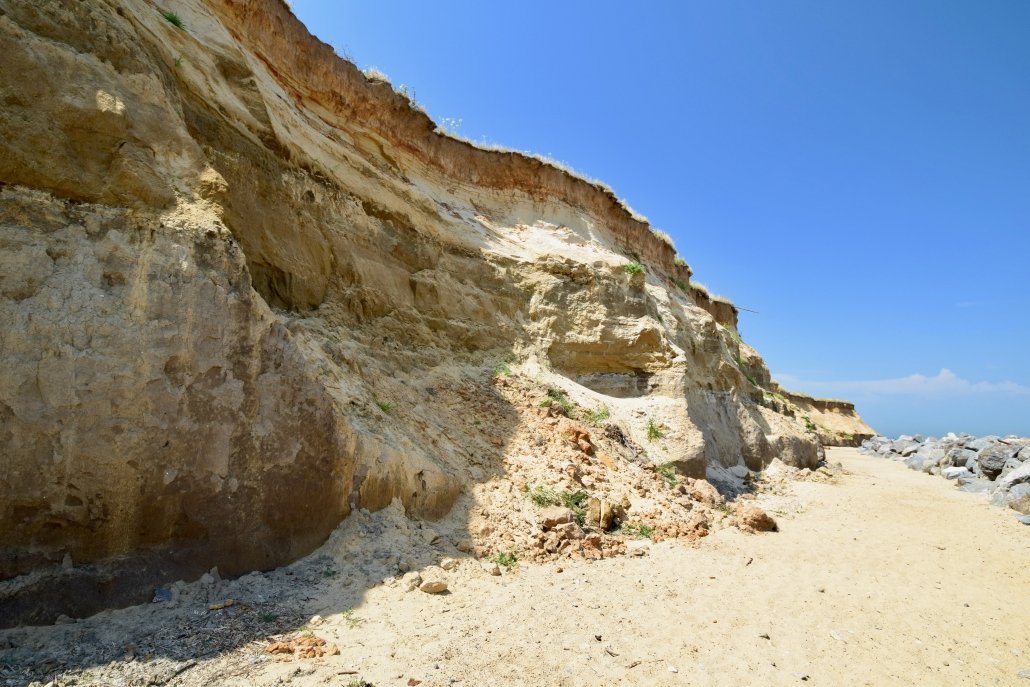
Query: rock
(411,581)
(491,568)
(955,472)
(993,458)
(974,485)
(959,456)
(207,580)
(434,586)
(448,564)
(981,443)
(603,514)
(704,492)
(1018,498)
(909,450)
(430,536)
(552,516)
(753,518)
(1025,519)
(1020,475)
(64,620)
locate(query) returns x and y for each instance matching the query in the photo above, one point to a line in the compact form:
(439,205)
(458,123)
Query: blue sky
(857,172)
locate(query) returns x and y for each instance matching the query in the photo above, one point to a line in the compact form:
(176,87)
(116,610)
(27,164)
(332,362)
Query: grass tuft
(557,397)
(597,417)
(668,471)
(638,530)
(173,19)
(633,268)
(386,406)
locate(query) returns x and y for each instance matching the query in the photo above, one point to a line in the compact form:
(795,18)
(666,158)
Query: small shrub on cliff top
(633,268)
(663,237)
(173,19)
(680,262)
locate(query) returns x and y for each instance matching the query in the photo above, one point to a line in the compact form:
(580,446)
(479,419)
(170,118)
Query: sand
(882,576)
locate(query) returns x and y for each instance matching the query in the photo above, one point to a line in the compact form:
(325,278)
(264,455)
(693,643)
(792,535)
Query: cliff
(246,290)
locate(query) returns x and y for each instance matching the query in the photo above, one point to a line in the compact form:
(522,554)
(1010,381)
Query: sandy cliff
(244,290)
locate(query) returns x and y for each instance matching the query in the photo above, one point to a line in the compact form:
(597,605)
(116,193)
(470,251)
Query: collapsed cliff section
(246,289)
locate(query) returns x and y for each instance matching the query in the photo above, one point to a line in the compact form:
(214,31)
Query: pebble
(673,669)
(448,564)
(491,568)
(434,586)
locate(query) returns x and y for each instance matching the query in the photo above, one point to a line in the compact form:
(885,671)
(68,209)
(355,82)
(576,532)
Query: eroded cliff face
(245,290)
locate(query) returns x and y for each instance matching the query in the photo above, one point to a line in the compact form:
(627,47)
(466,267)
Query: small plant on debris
(668,471)
(505,559)
(597,417)
(352,620)
(544,496)
(636,529)
(173,19)
(633,268)
(385,406)
(575,501)
(329,572)
(267,616)
(557,397)
(809,425)
(653,430)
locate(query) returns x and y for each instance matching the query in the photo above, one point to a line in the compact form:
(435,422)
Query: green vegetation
(329,572)
(505,559)
(680,284)
(596,417)
(633,268)
(544,496)
(668,471)
(502,370)
(266,616)
(809,425)
(385,406)
(178,61)
(557,397)
(680,262)
(573,500)
(653,430)
(352,620)
(173,19)
(638,530)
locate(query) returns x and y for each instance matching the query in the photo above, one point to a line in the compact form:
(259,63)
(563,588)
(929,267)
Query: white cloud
(944,382)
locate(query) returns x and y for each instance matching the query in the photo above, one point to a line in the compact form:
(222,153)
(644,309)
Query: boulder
(956,472)
(974,485)
(993,458)
(981,443)
(604,514)
(1018,498)
(1019,475)
(552,516)
(959,457)
(754,519)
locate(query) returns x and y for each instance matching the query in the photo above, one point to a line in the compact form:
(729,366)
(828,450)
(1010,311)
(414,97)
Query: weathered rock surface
(235,273)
